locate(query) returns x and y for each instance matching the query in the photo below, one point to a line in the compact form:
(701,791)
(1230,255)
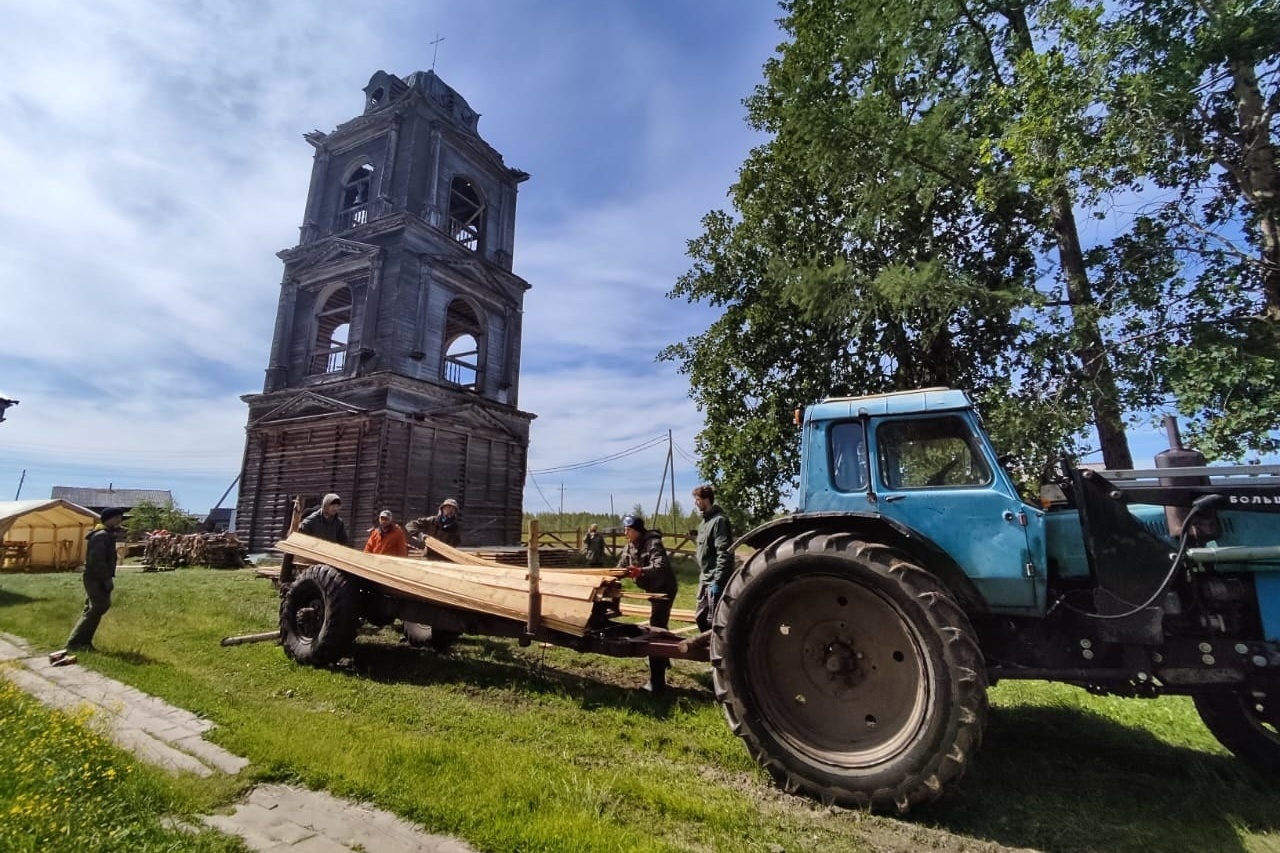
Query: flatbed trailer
(323,604)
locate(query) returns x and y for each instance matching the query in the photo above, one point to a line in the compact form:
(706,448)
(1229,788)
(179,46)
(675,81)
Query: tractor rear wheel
(850,673)
(1246,723)
(319,616)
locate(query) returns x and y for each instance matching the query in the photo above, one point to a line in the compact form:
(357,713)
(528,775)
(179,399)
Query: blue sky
(155,165)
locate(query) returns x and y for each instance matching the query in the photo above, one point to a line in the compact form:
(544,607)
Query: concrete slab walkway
(270,819)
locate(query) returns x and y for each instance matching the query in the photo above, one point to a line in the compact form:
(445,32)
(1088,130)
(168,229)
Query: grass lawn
(542,749)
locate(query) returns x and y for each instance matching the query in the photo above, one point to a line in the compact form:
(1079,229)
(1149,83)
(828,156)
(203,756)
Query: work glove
(715,589)
(634,571)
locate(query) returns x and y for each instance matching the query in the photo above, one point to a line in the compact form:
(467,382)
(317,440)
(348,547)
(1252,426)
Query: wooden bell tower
(394,371)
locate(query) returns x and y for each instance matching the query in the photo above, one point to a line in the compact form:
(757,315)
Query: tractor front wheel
(850,673)
(1247,723)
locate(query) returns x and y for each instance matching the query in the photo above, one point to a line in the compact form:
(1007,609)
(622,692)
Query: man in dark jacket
(443,525)
(646,560)
(325,523)
(593,546)
(99,578)
(714,554)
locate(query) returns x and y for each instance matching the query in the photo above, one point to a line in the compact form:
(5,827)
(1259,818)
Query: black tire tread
(1228,719)
(945,617)
(337,634)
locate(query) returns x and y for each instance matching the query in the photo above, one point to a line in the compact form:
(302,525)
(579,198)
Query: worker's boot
(54,657)
(657,676)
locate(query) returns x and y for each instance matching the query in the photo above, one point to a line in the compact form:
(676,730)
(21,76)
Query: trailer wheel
(438,639)
(318,616)
(850,673)
(1246,723)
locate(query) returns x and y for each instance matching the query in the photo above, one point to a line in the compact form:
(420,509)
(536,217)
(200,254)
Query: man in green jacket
(714,554)
(99,578)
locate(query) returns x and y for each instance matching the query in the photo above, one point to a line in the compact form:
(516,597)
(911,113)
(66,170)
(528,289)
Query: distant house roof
(113,497)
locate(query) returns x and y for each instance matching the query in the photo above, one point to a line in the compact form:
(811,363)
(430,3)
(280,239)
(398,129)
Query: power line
(574,466)
(534,480)
(686,455)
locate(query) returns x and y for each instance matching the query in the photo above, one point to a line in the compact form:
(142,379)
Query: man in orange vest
(387,538)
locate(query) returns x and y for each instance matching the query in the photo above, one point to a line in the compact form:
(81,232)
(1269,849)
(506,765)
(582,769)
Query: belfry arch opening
(333,328)
(463,336)
(355,197)
(466,213)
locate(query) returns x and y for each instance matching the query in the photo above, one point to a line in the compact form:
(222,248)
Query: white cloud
(154,167)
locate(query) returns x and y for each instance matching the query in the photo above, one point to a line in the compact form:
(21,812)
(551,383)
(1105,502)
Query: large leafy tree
(925,159)
(1188,111)
(862,258)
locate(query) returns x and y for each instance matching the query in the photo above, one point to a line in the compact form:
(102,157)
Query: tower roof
(386,89)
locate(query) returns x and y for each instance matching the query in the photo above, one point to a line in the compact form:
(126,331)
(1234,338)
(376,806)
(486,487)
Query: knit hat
(110,513)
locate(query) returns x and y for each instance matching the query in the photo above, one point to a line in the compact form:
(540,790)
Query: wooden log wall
(376,462)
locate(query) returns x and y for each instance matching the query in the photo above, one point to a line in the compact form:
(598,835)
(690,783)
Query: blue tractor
(852,651)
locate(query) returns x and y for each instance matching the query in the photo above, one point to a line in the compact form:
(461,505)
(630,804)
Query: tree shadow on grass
(485,663)
(1068,781)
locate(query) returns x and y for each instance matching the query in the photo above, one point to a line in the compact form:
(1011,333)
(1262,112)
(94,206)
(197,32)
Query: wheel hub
(838,670)
(309,620)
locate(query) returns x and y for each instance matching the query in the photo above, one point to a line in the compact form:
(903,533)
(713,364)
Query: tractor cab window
(848,457)
(930,453)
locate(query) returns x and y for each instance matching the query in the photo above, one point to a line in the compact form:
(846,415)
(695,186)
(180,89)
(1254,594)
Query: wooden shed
(43,534)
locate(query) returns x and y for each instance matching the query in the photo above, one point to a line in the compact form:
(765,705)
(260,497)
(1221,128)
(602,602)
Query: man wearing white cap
(387,538)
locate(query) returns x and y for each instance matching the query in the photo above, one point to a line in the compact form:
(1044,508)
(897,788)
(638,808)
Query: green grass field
(542,749)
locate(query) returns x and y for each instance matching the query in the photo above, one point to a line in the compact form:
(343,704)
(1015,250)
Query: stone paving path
(270,819)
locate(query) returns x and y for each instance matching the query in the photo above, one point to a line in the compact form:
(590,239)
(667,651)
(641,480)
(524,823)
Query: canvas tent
(43,534)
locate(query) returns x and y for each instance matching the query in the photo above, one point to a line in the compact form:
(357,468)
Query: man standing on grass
(325,523)
(387,538)
(593,545)
(99,578)
(714,554)
(646,561)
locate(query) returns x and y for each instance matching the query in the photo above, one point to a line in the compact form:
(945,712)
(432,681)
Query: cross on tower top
(435,48)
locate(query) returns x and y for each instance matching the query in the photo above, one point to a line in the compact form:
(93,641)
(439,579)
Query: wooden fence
(681,545)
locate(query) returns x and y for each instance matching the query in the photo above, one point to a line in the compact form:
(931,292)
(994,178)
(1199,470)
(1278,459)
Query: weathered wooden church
(394,370)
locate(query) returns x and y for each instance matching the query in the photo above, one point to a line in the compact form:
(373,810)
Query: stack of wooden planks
(568,599)
(518,555)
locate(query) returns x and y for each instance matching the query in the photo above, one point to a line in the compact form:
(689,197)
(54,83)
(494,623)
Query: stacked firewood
(216,550)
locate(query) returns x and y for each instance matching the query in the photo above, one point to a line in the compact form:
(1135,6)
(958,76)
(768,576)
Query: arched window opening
(466,213)
(462,362)
(463,335)
(355,198)
(333,326)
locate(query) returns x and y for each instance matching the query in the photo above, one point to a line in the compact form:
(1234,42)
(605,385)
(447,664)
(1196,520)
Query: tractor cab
(920,462)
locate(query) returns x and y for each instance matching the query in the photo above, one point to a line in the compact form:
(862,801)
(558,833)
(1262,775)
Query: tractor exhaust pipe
(1205,526)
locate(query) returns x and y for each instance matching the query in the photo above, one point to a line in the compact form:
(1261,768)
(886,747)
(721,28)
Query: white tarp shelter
(46,534)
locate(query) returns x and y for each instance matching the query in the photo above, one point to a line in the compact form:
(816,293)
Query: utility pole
(561,522)
(668,465)
(671,461)
(21,480)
